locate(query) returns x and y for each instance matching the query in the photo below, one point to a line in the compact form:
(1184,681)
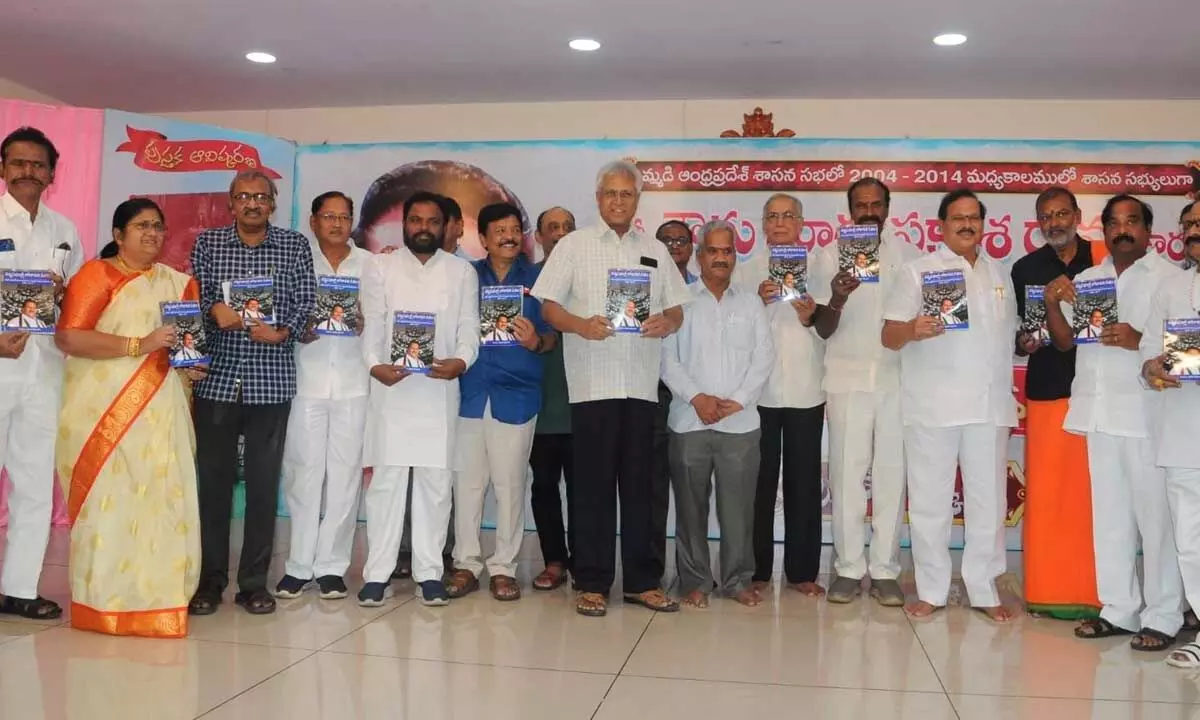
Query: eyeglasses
(260,198)
(780,217)
(960,219)
(335,217)
(622,194)
(146,226)
(1059,215)
(675,241)
(1189,225)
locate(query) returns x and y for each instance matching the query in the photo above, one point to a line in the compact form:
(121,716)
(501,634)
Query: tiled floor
(792,657)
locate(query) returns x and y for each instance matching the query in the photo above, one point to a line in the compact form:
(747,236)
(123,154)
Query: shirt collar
(609,234)
(699,288)
(11,207)
(945,253)
(516,274)
(236,239)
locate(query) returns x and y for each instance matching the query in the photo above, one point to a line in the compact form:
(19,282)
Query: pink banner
(78,135)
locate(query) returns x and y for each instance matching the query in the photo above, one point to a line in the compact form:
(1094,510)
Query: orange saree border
(112,426)
(170,623)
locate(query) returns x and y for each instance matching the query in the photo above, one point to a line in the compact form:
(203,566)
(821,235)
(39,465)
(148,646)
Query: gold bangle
(133,346)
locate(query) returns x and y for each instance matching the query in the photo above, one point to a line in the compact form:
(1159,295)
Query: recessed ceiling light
(260,57)
(948,39)
(584,44)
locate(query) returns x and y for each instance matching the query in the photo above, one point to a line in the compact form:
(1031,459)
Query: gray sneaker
(887,593)
(843,590)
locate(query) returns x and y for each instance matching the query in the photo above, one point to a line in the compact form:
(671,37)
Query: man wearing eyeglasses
(1060,573)
(327,421)
(791,411)
(32,237)
(250,386)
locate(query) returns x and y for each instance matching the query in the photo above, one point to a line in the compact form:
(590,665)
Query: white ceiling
(172,55)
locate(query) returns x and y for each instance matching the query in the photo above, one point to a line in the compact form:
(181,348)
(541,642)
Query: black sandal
(38,608)
(204,603)
(256,602)
(1151,640)
(1096,628)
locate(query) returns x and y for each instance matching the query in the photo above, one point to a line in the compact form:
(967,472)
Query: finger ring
(1158,382)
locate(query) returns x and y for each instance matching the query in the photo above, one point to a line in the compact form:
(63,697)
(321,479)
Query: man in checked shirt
(249,388)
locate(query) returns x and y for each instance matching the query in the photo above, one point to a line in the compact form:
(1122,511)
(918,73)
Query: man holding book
(501,394)
(958,410)
(323,453)
(412,416)
(612,380)
(1110,407)
(250,385)
(862,384)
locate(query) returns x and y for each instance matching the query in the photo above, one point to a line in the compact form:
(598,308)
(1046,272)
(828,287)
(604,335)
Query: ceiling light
(949,39)
(584,45)
(258,56)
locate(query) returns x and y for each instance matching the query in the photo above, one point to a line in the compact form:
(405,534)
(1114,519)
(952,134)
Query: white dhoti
(323,458)
(1183,494)
(932,455)
(489,450)
(28,429)
(1129,497)
(866,434)
(385,497)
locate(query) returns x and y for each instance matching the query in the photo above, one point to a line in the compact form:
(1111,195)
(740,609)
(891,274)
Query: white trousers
(432,490)
(981,451)
(491,450)
(866,434)
(323,452)
(1129,497)
(28,428)
(1183,494)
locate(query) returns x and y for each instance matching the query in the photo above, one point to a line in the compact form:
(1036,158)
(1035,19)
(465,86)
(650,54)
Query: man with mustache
(249,389)
(1109,406)
(31,376)
(958,409)
(551,458)
(862,384)
(1176,448)
(501,394)
(1059,565)
(412,417)
(716,366)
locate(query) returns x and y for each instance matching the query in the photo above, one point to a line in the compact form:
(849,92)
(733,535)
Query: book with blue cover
(944,296)
(1034,321)
(253,299)
(1095,308)
(858,251)
(1181,343)
(788,268)
(499,307)
(336,310)
(628,304)
(189,347)
(412,341)
(27,301)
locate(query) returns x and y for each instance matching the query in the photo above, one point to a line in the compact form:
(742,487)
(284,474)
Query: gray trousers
(734,458)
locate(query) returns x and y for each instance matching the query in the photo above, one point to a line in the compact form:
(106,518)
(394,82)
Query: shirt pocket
(739,332)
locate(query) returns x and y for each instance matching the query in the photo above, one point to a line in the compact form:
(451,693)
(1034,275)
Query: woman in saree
(126,449)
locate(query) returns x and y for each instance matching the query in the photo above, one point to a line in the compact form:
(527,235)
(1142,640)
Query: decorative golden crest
(758,124)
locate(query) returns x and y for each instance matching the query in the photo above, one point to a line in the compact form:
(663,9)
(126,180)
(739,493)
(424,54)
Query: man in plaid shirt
(249,388)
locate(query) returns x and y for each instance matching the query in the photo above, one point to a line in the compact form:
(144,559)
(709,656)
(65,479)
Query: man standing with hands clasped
(612,381)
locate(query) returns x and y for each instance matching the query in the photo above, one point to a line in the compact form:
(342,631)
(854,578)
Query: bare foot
(748,597)
(762,587)
(920,609)
(808,589)
(998,614)
(695,599)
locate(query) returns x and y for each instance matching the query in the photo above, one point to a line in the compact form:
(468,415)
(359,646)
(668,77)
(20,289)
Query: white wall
(1084,120)
(16,91)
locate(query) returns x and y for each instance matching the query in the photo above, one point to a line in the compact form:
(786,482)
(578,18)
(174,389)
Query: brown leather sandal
(552,578)
(655,600)
(591,604)
(461,583)
(504,588)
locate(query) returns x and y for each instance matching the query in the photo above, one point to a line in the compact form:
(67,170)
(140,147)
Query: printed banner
(154,152)
(699,180)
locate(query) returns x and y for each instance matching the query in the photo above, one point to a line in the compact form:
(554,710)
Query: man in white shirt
(946,314)
(1111,407)
(28,318)
(860,269)
(412,359)
(252,312)
(612,379)
(501,333)
(1095,327)
(187,350)
(958,409)
(323,452)
(716,366)
(412,417)
(628,318)
(792,414)
(862,384)
(31,384)
(336,321)
(1175,415)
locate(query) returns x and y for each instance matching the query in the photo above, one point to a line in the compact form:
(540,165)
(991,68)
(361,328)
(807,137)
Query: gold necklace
(126,267)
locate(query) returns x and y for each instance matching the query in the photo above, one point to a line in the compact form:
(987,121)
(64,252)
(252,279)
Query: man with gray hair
(792,412)
(716,366)
(250,385)
(612,385)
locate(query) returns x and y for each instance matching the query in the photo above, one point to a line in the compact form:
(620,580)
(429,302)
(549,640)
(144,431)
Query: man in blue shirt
(501,394)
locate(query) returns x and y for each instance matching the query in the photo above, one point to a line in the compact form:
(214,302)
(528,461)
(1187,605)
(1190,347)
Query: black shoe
(290,588)
(374,594)
(332,587)
(403,569)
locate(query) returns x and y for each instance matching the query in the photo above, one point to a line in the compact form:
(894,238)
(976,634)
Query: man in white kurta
(323,453)
(958,409)
(1109,405)
(412,416)
(862,389)
(1174,420)
(31,238)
